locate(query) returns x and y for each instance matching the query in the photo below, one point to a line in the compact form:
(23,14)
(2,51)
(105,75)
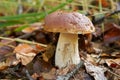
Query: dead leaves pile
(37,62)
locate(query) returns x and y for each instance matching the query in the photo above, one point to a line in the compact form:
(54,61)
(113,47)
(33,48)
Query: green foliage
(29,17)
(21,28)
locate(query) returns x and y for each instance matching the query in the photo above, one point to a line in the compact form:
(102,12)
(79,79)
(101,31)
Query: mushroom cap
(68,22)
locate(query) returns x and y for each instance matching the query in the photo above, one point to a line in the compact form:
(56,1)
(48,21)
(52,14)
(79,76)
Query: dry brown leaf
(25,58)
(104,54)
(23,48)
(90,59)
(45,75)
(95,71)
(118,42)
(49,53)
(32,28)
(6,48)
(50,75)
(3,66)
(25,53)
(35,76)
(117,72)
(64,71)
(10,61)
(110,55)
(116,53)
(112,34)
(38,48)
(41,66)
(114,63)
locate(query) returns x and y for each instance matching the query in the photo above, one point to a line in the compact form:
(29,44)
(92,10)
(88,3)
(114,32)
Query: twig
(101,20)
(112,5)
(117,75)
(27,35)
(2,44)
(25,41)
(69,75)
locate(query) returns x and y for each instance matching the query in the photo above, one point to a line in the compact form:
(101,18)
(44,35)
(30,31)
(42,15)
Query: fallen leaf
(116,53)
(104,55)
(112,34)
(32,28)
(25,53)
(25,58)
(38,48)
(95,71)
(23,48)
(113,63)
(3,66)
(50,75)
(41,66)
(110,55)
(6,48)
(91,59)
(117,71)
(98,31)
(12,61)
(64,71)
(40,37)
(35,76)
(48,53)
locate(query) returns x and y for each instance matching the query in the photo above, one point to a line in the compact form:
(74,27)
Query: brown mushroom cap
(68,22)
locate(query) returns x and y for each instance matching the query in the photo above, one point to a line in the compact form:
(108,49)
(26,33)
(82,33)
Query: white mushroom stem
(67,52)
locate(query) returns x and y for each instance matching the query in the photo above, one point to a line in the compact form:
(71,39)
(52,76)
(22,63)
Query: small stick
(101,10)
(112,5)
(117,75)
(25,41)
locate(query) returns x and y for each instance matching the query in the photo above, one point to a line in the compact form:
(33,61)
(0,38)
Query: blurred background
(29,11)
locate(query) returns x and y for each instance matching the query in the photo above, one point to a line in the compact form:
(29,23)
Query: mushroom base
(67,52)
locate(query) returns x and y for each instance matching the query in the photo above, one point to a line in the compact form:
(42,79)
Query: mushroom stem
(67,50)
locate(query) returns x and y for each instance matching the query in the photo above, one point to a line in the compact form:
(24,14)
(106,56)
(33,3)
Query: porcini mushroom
(69,25)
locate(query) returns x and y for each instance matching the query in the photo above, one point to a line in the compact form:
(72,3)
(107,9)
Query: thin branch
(117,75)
(24,41)
(101,20)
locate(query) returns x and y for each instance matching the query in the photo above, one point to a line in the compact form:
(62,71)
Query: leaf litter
(24,60)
